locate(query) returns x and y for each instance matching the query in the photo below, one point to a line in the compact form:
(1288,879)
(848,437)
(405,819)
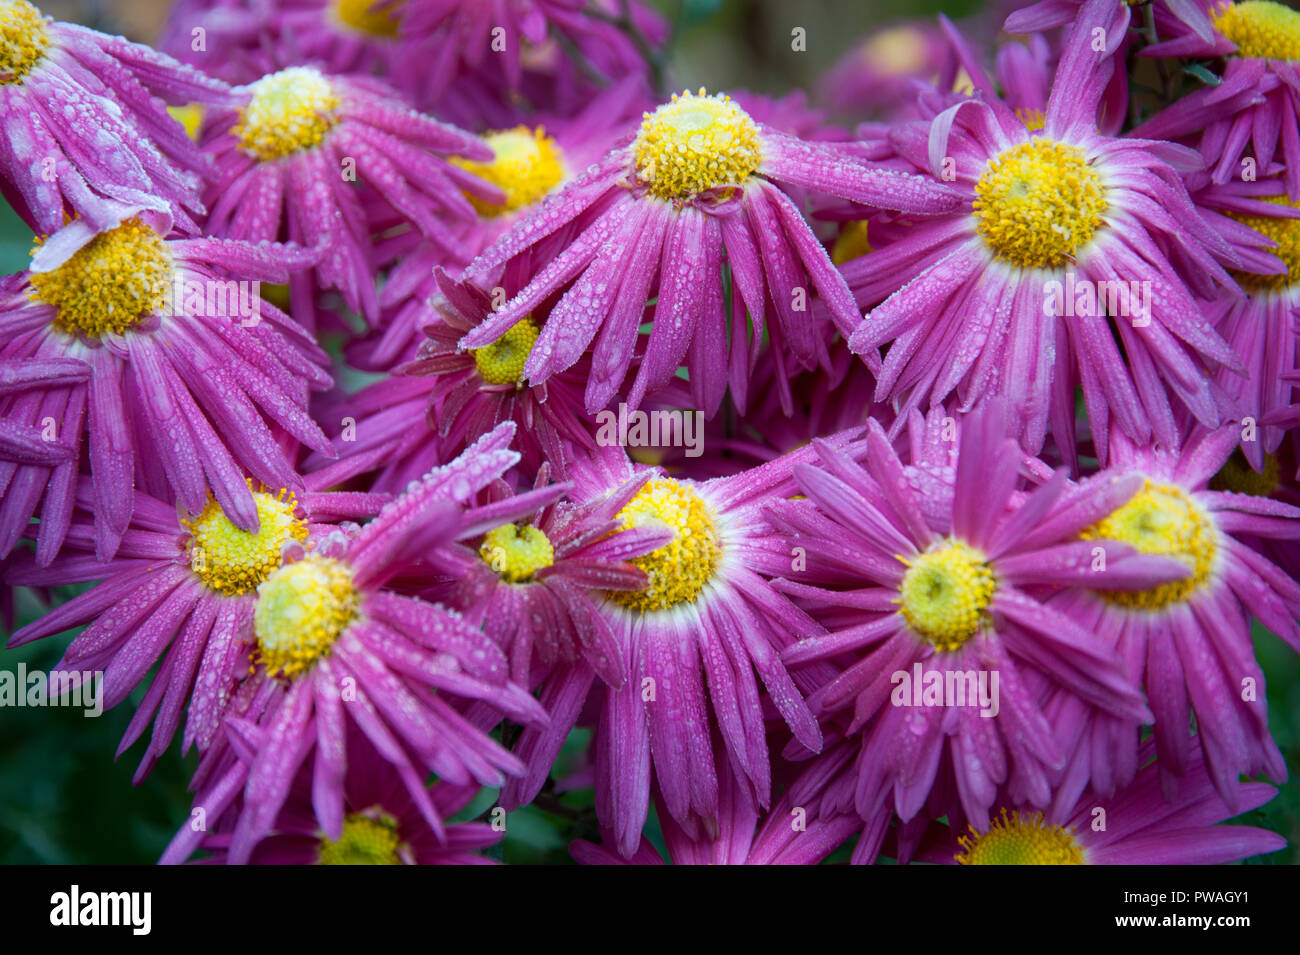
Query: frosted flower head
(179,322)
(82,149)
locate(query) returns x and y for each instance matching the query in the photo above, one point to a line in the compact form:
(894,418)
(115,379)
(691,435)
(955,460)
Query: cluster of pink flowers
(416,383)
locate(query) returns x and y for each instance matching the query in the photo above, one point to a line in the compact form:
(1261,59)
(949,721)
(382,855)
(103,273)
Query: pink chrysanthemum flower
(880,76)
(1139,827)
(336,645)
(246,39)
(1187,641)
(85,127)
(181,593)
(331,161)
(690,643)
(699,187)
(484,386)
(1250,117)
(189,373)
(445,40)
(530,161)
(533,570)
(382,825)
(1263,324)
(940,568)
(744,835)
(1015,294)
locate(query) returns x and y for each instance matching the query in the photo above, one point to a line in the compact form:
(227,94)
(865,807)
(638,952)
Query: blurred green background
(63,798)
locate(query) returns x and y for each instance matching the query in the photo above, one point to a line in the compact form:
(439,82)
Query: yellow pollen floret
(365,840)
(527,164)
(502,362)
(1239,477)
(301,610)
(516,553)
(369,17)
(110,283)
(290,110)
(1039,203)
(1161,519)
(1034,119)
(945,593)
(23,40)
(1261,29)
(1020,840)
(1286,233)
(683,567)
(233,561)
(694,143)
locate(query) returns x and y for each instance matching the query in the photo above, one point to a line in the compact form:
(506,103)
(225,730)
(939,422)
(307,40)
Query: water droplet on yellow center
(110,283)
(945,593)
(1037,204)
(365,840)
(23,40)
(1020,840)
(502,362)
(517,553)
(683,567)
(290,110)
(1261,29)
(526,166)
(233,561)
(369,17)
(1161,519)
(302,608)
(694,143)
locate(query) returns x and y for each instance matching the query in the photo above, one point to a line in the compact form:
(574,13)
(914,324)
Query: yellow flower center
(368,17)
(1238,476)
(1286,233)
(527,164)
(23,40)
(683,567)
(1261,29)
(851,243)
(290,110)
(516,553)
(233,561)
(190,116)
(696,142)
(1039,203)
(897,51)
(1020,840)
(110,283)
(301,610)
(945,593)
(502,362)
(363,841)
(1161,519)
